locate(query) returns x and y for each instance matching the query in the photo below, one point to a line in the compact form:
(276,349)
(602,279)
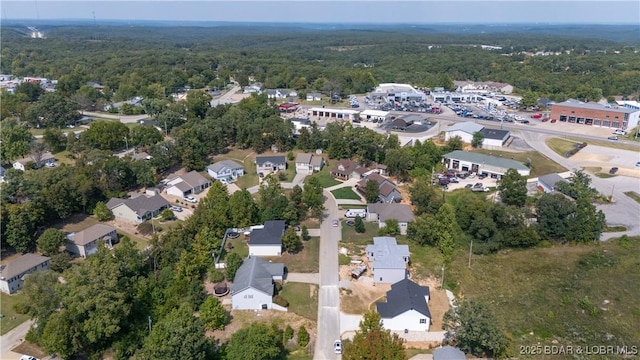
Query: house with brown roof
(345,170)
(187,184)
(387,191)
(383,212)
(307,163)
(85,242)
(138,209)
(13,272)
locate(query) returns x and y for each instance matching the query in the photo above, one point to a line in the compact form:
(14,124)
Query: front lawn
(10,319)
(350,236)
(306,261)
(325,178)
(345,193)
(302,298)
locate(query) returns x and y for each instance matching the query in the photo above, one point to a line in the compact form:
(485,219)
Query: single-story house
(267,240)
(383,212)
(138,209)
(267,163)
(481,163)
(448,353)
(464,130)
(387,191)
(299,123)
(85,242)
(388,260)
(345,169)
(406,308)
(253,88)
(46,158)
(549,183)
(494,138)
(225,169)
(253,285)
(314,96)
(12,273)
(307,163)
(187,184)
(280,93)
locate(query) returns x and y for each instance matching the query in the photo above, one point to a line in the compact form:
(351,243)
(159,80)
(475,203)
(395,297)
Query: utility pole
(442,286)
(470,252)
(149,323)
(126,141)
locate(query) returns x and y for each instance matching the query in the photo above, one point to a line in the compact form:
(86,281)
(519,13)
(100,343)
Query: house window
(423,321)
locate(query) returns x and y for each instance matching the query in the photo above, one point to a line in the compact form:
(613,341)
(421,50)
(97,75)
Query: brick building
(593,114)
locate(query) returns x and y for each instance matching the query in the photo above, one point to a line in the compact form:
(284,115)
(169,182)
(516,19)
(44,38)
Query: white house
(549,183)
(307,163)
(225,169)
(280,94)
(85,242)
(481,163)
(406,308)
(299,123)
(187,184)
(265,163)
(464,129)
(314,96)
(12,273)
(383,212)
(388,260)
(253,88)
(253,285)
(46,158)
(267,240)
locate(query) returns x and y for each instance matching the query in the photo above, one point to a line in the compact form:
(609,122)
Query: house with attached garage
(23,164)
(387,211)
(388,260)
(307,163)
(137,209)
(266,240)
(345,169)
(13,272)
(387,191)
(253,285)
(187,184)
(228,170)
(85,242)
(406,307)
(280,94)
(268,164)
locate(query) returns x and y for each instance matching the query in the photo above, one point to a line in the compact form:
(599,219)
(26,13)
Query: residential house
(448,353)
(12,273)
(253,285)
(406,308)
(267,164)
(383,212)
(299,123)
(228,170)
(85,242)
(135,102)
(388,260)
(549,183)
(22,164)
(314,96)
(279,94)
(187,184)
(345,170)
(255,88)
(266,240)
(387,191)
(307,163)
(138,209)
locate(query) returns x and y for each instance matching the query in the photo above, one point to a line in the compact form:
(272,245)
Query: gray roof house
(388,260)
(387,191)
(307,163)
(270,163)
(85,242)
(253,285)
(12,273)
(385,211)
(406,308)
(448,353)
(225,169)
(548,183)
(481,163)
(138,209)
(187,184)
(267,240)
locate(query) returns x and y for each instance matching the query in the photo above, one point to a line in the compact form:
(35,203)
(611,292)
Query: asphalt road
(12,339)
(329,294)
(123,118)
(226,97)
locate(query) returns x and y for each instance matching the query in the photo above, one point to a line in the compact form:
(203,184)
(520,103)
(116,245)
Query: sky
(339,11)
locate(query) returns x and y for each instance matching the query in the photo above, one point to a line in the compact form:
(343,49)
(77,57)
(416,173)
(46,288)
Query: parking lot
(472,182)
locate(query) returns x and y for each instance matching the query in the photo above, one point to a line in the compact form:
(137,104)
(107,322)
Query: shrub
(288,333)
(278,287)
(305,233)
(359,225)
(303,336)
(216,276)
(279,300)
(282,176)
(21,308)
(290,156)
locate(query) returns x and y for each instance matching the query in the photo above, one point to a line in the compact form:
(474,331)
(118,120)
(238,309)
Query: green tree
(513,188)
(399,162)
(288,334)
(60,262)
(15,141)
(197,103)
(106,135)
(30,89)
(423,230)
(170,119)
(425,197)
(234,261)
(43,298)
(391,228)
(19,228)
(372,341)
(167,215)
(473,328)
(553,212)
(312,196)
(587,223)
(445,230)
(256,342)
(305,233)
(242,209)
(477,139)
(213,314)
(303,336)
(50,241)
(143,172)
(371,191)
(359,225)
(102,212)
(144,135)
(455,143)
(272,201)
(53,109)
(529,99)
(290,241)
(55,139)
(579,185)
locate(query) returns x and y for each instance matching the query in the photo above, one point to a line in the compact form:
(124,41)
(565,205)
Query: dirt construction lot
(605,157)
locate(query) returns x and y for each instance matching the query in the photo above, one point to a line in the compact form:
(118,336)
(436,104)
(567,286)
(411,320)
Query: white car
(27,357)
(335,222)
(190,199)
(337,347)
(176,208)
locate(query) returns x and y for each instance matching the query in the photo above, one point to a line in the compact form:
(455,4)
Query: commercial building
(492,138)
(592,114)
(449,97)
(397,92)
(494,166)
(336,114)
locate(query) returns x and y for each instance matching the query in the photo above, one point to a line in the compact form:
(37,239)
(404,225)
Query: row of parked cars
(353,100)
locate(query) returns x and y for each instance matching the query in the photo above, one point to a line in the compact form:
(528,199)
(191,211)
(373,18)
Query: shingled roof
(404,295)
(258,274)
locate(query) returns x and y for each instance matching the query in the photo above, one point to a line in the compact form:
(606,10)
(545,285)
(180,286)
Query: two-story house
(12,273)
(307,163)
(270,163)
(85,242)
(225,170)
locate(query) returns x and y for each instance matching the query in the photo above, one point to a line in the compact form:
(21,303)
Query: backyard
(324,177)
(305,261)
(10,318)
(246,158)
(302,298)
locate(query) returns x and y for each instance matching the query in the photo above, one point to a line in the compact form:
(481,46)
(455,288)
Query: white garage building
(481,163)
(464,129)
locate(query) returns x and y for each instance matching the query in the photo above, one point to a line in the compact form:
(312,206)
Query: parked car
(472,175)
(613,170)
(190,199)
(454,180)
(176,208)
(337,347)
(613,137)
(335,222)
(468,186)
(553,121)
(482,176)
(638,164)
(27,357)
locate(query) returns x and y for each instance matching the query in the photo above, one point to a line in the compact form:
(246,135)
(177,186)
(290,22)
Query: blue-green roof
(478,158)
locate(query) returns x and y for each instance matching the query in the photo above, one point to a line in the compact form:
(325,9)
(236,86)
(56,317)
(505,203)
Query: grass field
(306,261)
(325,178)
(608,143)
(579,295)
(10,318)
(345,193)
(540,164)
(560,146)
(302,298)
(634,195)
(349,234)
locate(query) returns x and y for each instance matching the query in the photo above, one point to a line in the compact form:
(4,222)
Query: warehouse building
(335,114)
(592,114)
(493,166)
